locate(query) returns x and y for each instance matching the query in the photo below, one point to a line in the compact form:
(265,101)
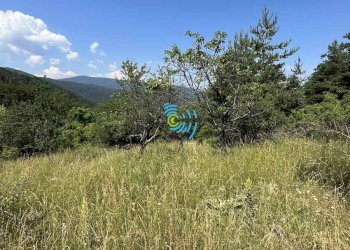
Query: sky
(67,38)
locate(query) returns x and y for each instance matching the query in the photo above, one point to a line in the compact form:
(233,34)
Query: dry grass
(253,197)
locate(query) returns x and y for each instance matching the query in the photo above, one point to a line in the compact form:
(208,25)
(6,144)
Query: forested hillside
(16,87)
(32,114)
(90,92)
(98,81)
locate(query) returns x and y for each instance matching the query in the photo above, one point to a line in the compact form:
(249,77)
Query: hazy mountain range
(98,81)
(18,86)
(93,89)
(91,92)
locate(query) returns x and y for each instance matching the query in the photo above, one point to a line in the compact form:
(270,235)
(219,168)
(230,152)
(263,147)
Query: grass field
(284,194)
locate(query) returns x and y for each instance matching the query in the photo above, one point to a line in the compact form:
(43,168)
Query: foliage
(16,87)
(328,112)
(91,92)
(78,128)
(36,111)
(235,83)
(292,94)
(329,119)
(9,152)
(332,75)
(142,97)
(31,128)
(111,124)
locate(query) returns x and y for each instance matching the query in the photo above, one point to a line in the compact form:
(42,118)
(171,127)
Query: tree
(78,128)
(142,96)
(330,117)
(332,75)
(36,129)
(111,122)
(236,82)
(292,96)
(37,122)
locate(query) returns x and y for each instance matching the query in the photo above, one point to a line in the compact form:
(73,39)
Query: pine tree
(332,75)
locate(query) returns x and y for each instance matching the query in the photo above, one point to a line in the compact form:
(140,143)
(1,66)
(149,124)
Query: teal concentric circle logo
(181,123)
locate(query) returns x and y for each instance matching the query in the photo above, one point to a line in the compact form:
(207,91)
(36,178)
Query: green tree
(332,75)
(292,95)
(30,128)
(138,107)
(235,83)
(111,122)
(329,117)
(34,126)
(78,129)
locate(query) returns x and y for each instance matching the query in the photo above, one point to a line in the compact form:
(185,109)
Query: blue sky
(60,45)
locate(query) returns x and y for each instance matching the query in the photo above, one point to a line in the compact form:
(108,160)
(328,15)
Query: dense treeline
(239,87)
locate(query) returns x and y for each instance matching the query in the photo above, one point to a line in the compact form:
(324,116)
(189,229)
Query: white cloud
(13,49)
(117,74)
(56,73)
(55,61)
(23,34)
(112,66)
(92,65)
(72,55)
(99,61)
(93,47)
(34,60)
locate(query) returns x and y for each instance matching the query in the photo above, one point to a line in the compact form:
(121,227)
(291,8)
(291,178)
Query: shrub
(78,128)
(30,127)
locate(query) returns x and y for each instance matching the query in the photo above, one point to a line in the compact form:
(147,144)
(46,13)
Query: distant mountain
(91,92)
(99,81)
(94,89)
(17,86)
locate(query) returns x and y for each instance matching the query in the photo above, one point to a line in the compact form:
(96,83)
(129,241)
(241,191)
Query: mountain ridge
(94,89)
(93,93)
(98,81)
(18,86)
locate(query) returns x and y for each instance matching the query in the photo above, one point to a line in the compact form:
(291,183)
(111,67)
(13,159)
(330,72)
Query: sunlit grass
(258,197)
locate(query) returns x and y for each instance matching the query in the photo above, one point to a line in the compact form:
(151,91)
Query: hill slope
(91,92)
(109,84)
(17,86)
(99,81)
(93,89)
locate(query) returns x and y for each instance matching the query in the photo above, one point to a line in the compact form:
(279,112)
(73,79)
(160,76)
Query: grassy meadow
(283,194)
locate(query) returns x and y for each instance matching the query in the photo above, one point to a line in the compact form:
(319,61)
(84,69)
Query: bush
(111,127)
(78,128)
(30,127)
(9,152)
(327,117)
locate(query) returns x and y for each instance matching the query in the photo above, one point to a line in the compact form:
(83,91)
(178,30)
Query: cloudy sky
(67,38)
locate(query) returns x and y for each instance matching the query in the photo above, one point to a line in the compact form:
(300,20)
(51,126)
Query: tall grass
(264,196)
